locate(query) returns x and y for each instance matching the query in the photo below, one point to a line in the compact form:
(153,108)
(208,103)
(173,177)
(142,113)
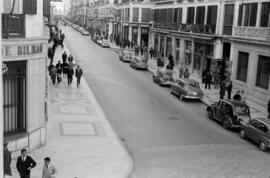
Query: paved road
(164,136)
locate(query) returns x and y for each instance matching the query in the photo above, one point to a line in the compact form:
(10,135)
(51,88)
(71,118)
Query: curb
(131,164)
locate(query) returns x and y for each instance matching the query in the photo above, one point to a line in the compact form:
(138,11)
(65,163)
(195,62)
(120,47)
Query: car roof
(235,102)
(187,80)
(264,120)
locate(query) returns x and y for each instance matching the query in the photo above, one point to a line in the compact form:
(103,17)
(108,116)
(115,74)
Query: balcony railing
(193,28)
(252,33)
(13,25)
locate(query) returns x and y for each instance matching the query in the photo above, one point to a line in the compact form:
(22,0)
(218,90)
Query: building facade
(228,38)
(78,11)
(24,54)
(132,21)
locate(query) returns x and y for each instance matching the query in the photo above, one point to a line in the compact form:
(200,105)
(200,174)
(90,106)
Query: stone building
(24,55)
(228,38)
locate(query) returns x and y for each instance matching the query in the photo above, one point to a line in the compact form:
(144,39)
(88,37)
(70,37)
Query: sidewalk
(80,139)
(213,94)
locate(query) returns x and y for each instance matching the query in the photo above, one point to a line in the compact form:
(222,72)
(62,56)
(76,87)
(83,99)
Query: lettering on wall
(21,50)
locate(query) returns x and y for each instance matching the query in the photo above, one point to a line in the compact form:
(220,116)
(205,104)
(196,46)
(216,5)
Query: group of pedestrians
(25,164)
(64,70)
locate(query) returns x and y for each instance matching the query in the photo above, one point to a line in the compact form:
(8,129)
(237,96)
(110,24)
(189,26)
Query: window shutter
(240,15)
(30,6)
(46,7)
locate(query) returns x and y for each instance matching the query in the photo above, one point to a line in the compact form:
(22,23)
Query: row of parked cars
(230,113)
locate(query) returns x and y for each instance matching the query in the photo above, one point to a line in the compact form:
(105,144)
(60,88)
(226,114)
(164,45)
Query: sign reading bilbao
(21,50)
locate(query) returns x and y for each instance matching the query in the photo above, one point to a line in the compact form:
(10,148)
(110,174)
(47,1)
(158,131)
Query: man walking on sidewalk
(268,109)
(7,161)
(78,74)
(222,89)
(49,170)
(70,73)
(24,164)
(207,80)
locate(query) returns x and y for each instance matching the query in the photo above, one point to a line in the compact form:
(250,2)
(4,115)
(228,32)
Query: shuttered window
(30,6)
(46,7)
(190,15)
(200,15)
(14,98)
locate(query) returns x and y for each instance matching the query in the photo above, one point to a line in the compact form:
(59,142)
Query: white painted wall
(34,23)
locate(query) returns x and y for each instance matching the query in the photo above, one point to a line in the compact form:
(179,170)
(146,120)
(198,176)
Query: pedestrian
(53,73)
(70,73)
(186,73)
(160,62)
(243,96)
(59,70)
(216,80)
(7,161)
(229,90)
(237,96)
(70,58)
(65,67)
(49,170)
(268,109)
(78,75)
(50,54)
(181,70)
(64,57)
(24,164)
(170,65)
(141,48)
(151,52)
(204,75)
(208,80)
(222,89)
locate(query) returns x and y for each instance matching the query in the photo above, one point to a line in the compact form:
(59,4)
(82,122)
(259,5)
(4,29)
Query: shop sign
(21,50)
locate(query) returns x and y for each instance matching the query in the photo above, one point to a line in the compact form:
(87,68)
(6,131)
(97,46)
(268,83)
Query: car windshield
(193,85)
(241,109)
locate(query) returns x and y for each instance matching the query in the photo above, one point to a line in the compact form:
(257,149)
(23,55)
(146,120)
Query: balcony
(252,33)
(13,25)
(193,28)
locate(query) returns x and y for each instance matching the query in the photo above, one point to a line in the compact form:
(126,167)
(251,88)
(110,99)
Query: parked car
(163,77)
(84,32)
(125,55)
(257,130)
(99,40)
(186,89)
(138,62)
(230,113)
(105,43)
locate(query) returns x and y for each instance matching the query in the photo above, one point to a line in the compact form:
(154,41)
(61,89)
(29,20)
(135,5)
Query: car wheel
(242,133)
(225,123)
(210,113)
(262,146)
(181,97)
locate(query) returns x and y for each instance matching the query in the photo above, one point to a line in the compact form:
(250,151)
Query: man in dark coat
(64,57)
(208,79)
(7,161)
(151,52)
(268,109)
(229,90)
(24,164)
(50,54)
(70,58)
(70,73)
(78,74)
(222,89)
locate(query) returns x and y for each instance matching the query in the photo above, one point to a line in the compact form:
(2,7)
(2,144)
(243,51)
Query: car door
(253,130)
(261,130)
(220,110)
(175,86)
(181,86)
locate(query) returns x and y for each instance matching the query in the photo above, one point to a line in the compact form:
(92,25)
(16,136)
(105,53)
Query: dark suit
(22,166)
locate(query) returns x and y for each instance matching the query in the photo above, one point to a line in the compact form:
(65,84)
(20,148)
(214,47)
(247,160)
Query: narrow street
(165,137)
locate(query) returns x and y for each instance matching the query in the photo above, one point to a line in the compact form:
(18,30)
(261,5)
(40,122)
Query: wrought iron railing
(13,25)
(193,28)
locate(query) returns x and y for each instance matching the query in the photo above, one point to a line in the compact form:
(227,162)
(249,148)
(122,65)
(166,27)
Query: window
(258,125)
(169,15)
(146,14)
(200,15)
(30,6)
(168,46)
(126,14)
(212,17)
(265,14)
(263,72)
(177,43)
(242,66)
(178,15)
(135,17)
(228,19)
(14,98)
(190,15)
(247,14)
